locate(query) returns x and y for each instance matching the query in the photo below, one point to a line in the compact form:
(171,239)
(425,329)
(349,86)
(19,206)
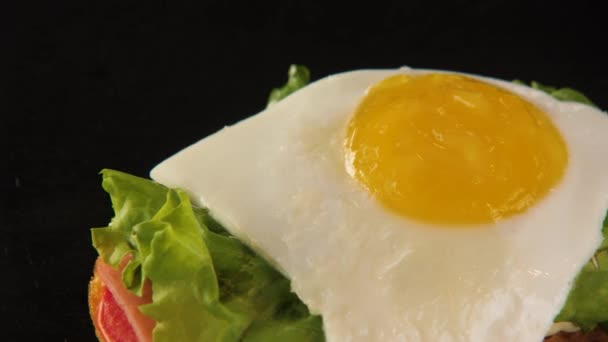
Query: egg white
(277,181)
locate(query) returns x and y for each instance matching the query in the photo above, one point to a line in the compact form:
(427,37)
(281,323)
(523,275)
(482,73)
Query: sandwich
(372,205)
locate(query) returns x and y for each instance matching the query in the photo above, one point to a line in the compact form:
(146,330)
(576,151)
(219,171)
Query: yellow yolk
(450,149)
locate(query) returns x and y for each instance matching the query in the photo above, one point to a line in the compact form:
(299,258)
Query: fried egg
(413,205)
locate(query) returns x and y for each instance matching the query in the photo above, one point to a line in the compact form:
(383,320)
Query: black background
(110,84)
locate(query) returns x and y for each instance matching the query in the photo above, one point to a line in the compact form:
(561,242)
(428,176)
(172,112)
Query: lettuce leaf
(298,77)
(562,94)
(587,303)
(207,286)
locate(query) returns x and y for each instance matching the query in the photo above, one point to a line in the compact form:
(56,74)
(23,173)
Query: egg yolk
(450,149)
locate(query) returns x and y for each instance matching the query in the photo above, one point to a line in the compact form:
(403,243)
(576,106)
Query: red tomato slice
(118,316)
(113,323)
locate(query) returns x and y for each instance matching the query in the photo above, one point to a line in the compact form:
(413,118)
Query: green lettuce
(207,286)
(587,303)
(562,94)
(298,77)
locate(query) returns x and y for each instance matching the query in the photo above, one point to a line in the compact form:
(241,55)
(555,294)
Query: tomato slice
(113,323)
(117,316)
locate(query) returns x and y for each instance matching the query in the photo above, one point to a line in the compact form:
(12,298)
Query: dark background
(108,84)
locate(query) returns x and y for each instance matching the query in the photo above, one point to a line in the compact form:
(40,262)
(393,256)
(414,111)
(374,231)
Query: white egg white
(277,181)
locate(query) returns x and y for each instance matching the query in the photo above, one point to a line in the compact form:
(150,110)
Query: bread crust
(596,335)
(96,288)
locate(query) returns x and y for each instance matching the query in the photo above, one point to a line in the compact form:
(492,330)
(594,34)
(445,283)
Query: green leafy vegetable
(562,94)
(587,303)
(299,76)
(207,286)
